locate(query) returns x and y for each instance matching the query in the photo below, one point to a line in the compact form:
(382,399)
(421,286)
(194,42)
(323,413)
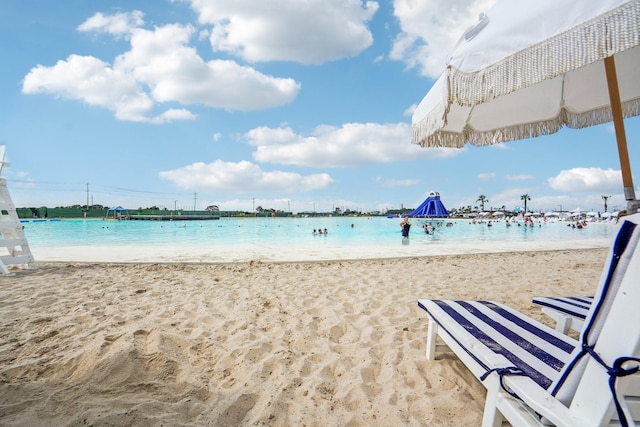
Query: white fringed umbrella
(529,68)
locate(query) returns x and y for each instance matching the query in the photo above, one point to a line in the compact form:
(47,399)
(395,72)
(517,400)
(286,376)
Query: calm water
(232,239)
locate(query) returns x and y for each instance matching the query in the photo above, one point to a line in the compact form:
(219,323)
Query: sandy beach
(258,343)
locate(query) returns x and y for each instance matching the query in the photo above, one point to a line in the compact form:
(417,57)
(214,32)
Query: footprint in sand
(237,411)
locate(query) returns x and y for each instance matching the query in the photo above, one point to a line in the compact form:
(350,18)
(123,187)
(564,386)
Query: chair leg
(563,324)
(492,416)
(432,337)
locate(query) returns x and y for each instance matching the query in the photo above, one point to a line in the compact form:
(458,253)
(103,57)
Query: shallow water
(280,239)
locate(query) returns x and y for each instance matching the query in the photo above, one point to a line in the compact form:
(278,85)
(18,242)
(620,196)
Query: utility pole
(87,209)
(195,197)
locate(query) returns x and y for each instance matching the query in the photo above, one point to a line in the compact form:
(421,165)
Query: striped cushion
(572,306)
(483,328)
(496,337)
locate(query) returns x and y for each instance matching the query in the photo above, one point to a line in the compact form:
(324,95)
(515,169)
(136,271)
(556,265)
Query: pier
(168,217)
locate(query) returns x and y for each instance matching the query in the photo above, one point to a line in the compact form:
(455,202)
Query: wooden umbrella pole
(618,123)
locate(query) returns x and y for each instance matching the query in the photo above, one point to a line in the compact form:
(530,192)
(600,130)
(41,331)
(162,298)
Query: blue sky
(281,104)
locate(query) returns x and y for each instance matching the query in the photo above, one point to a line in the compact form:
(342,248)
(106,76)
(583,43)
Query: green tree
(526,198)
(482,199)
(605,198)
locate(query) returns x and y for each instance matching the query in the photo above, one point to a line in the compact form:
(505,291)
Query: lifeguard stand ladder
(12,237)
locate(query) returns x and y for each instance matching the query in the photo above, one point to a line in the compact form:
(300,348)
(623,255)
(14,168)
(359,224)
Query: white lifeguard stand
(11,232)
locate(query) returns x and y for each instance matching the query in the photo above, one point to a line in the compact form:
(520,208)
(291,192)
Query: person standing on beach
(405,225)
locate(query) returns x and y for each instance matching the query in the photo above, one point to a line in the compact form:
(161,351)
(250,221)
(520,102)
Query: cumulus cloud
(119,25)
(160,67)
(91,80)
(587,179)
(175,72)
(351,144)
(430,30)
(309,32)
(242,177)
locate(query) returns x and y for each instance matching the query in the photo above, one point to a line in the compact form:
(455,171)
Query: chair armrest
(542,402)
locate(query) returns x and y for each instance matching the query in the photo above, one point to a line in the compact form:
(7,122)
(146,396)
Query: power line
(45,186)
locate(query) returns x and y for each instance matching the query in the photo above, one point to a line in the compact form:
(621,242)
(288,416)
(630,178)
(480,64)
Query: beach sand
(281,344)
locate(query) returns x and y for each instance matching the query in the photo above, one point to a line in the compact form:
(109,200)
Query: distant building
(213,208)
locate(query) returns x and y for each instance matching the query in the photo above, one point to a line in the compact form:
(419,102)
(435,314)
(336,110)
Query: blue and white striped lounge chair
(536,375)
(568,312)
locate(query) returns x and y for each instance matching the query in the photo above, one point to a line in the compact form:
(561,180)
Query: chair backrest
(592,382)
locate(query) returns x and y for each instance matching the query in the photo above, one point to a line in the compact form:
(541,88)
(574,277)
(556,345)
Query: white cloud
(409,111)
(393,182)
(172,115)
(350,145)
(175,72)
(587,180)
(511,198)
(430,30)
(91,80)
(119,25)
(242,177)
(486,176)
(161,67)
(309,32)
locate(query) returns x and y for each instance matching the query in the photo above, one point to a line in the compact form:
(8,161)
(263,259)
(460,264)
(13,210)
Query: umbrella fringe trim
(601,115)
(422,132)
(577,47)
(522,131)
(436,119)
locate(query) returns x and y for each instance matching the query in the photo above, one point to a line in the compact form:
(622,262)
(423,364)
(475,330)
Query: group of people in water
(527,223)
(319,231)
(430,228)
(405,225)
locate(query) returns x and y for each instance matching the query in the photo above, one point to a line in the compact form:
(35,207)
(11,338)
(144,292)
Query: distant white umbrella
(529,68)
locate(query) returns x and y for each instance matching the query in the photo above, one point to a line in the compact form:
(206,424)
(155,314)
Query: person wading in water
(406,226)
